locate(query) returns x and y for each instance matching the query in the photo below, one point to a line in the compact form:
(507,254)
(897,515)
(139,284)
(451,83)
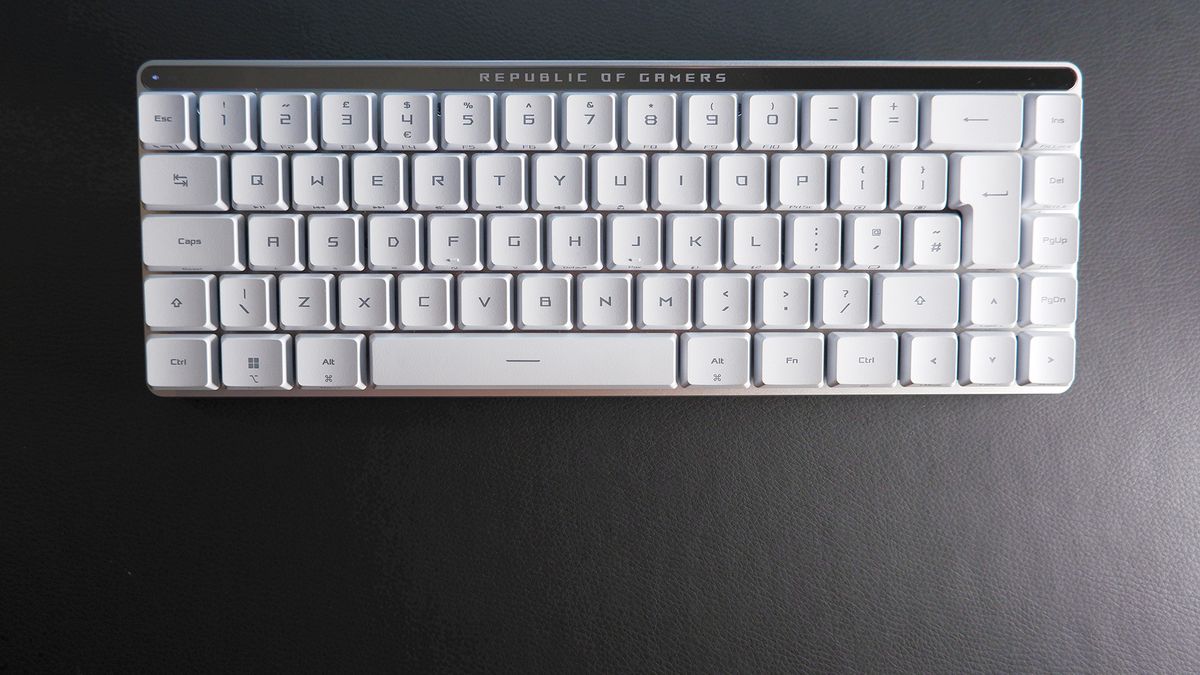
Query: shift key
(194,243)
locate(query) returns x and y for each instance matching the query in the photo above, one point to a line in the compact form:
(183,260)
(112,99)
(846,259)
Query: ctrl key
(862,359)
(181,361)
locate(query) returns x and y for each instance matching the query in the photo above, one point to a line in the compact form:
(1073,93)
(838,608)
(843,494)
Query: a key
(872,241)
(208,243)
(753,241)
(288,121)
(915,300)
(335,243)
(861,359)
(928,359)
(1047,300)
(1051,181)
(530,122)
(261,181)
(192,182)
(798,182)
(558,182)
(257,361)
(349,121)
(248,302)
(829,122)
(987,358)
(408,121)
(789,359)
(858,182)
(931,241)
(634,241)
(664,301)
(715,359)
(380,181)
(544,301)
(306,302)
(604,301)
(710,122)
(468,122)
(366,301)
(619,181)
(454,242)
(320,182)
(693,241)
(648,122)
(426,301)
(841,300)
(331,361)
(970,121)
(723,301)
(514,241)
(1052,121)
(180,302)
(986,188)
(679,181)
(1045,358)
(769,122)
(395,242)
(781,301)
(739,182)
(228,121)
(989,300)
(889,122)
(917,182)
(573,241)
(167,120)
(499,182)
(485,302)
(589,122)
(181,361)
(439,182)
(1049,240)
(812,241)
(277,243)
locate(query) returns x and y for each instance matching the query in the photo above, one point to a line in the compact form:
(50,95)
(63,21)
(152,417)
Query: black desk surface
(718,535)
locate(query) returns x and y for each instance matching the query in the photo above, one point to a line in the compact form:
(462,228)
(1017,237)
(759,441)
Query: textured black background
(719,535)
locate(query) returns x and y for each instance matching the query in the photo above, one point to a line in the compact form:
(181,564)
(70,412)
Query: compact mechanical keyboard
(401,228)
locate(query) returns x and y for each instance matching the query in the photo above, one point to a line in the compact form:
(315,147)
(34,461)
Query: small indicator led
(154,77)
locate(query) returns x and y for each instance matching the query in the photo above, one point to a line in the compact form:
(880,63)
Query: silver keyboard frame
(822,390)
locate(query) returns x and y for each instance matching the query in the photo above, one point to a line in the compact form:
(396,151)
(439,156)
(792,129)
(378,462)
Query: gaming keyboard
(582,228)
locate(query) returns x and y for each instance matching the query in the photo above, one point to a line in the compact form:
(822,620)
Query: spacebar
(574,361)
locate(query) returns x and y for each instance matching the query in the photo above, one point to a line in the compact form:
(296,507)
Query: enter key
(986,188)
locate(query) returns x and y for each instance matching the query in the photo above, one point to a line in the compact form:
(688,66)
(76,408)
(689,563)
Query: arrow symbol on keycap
(992,359)
(1049,359)
(176,302)
(785,294)
(975,119)
(725,293)
(996,194)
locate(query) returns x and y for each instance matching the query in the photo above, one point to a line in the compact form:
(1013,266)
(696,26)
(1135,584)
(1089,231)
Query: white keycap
(167,120)
(439,182)
(320,182)
(426,301)
(664,301)
(710,122)
(858,182)
(604,301)
(408,121)
(193,243)
(829,122)
(455,243)
(679,181)
(753,241)
(306,302)
(530,121)
(181,361)
(789,359)
(1047,300)
(349,121)
(288,121)
(589,121)
(739,182)
(769,122)
(331,361)
(812,241)
(380,181)
(468,122)
(798,182)
(861,359)
(257,361)
(619,181)
(889,122)
(544,301)
(1052,121)
(715,360)
(987,358)
(248,302)
(261,181)
(928,359)
(180,301)
(228,121)
(336,243)
(970,121)
(634,241)
(485,302)
(915,300)
(841,300)
(693,241)
(499,180)
(277,243)
(195,182)
(781,301)
(366,301)
(872,241)
(723,301)
(648,122)
(1049,240)
(931,241)
(573,241)
(558,182)
(986,188)
(917,182)
(395,242)
(514,241)
(1045,358)
(989,300)
(1051,181)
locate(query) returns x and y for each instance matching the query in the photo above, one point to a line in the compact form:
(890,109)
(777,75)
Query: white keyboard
(404,228)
